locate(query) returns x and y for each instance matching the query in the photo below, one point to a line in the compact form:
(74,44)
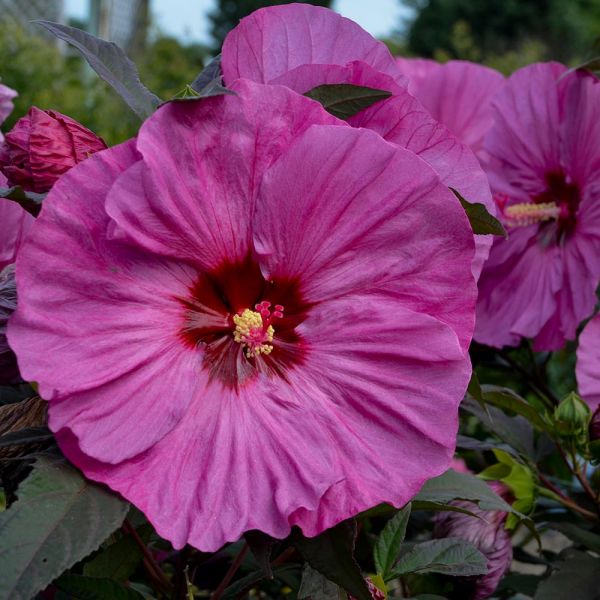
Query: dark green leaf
(468,443)
(317,587)
(332,554)
(523,584)
(441,507)
(210,81)
(578,535)
(261,546)
(94,588)
(58,519)
(344,100)
(449,556)
(117,561)
(29,435)
(575,577)
(506,399)
(111,64)
(245,583)
(482,222)
(30,201)
(387,547)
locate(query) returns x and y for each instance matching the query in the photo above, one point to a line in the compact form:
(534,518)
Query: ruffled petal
(403,121)
(277,39)
(457,94)
(385,223)
(588,363)
(96,316)
(199,193)
(363,412)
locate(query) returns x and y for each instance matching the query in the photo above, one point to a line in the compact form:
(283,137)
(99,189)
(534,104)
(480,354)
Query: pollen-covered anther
(521,215)
(253,328)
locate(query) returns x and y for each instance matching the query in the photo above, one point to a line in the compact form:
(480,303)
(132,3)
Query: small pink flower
(240,318)
(588,364)
(487,534)
(303,46)
(458,94)
(44,145)
(14,225)
(543,168)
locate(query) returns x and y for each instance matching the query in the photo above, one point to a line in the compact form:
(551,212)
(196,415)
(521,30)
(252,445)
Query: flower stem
(230,573)
(565,500)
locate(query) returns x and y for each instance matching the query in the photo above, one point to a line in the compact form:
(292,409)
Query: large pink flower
(458,94)
(544,168)
(240,319)
(588,363)
(303,46)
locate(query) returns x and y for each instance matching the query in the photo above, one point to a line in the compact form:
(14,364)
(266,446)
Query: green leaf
(578,535)
(210,81)
(245,583)
(387,546)
(506,399)
(261,546)
(332,554)
(30,201)
(117,561)
(448,556)
(468,443)
(58,519)
(94,588)
(344,100)
(111,64)
(316,586)
(576,577)
(441,507)
(482,222)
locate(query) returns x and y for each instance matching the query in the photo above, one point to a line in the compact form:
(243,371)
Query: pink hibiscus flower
(247,323)
(544,170)
(303,46)
(14,224)
(458,94)
(588,363)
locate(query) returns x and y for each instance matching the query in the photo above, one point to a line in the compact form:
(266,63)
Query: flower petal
(372,414)
(588,363)
(385,222)
(403,121)
(199,192)
(277,39)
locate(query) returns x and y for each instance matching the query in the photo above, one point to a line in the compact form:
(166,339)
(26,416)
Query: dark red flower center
(555,208)
(244,323)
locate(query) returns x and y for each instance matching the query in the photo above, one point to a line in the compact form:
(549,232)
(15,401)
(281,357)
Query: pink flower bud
(42,146)
(488,535)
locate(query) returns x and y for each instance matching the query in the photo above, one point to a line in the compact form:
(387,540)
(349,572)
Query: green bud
(572,415)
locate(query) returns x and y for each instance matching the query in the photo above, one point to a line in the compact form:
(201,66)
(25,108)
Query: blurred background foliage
(504,34)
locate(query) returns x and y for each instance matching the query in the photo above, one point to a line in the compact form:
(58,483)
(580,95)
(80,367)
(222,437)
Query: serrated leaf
(79,587)
(575,576)
(210,80)
(344,100)
(482,222)
(388,544)
(117,561)
(332,554)
(111,64)
(29,435)
(30,201)
(58,519)
(316,586)
(505,398)
(448,556)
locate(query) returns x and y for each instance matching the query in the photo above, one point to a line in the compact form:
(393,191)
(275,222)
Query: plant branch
(230,573)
